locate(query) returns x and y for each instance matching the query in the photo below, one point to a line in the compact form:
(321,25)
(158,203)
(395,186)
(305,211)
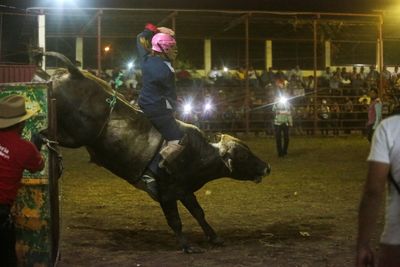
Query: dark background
(18,34)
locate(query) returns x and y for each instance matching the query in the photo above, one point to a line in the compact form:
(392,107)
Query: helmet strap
(163,51)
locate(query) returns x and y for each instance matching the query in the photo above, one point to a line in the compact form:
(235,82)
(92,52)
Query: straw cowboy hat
(13,111)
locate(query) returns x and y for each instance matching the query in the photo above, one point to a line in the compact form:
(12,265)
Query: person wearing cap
(16,155)
(158,99)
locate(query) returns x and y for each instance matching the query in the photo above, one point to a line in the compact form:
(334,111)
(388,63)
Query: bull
(119,138)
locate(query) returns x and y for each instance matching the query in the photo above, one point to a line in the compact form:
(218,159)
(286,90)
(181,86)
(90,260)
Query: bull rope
(111,102)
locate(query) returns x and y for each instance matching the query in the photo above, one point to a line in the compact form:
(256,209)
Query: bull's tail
(72,69)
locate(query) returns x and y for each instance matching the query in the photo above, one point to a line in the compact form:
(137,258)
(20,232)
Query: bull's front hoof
(217,241)
(192,250)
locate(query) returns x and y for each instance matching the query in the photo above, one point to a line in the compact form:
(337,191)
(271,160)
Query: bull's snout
(263,172)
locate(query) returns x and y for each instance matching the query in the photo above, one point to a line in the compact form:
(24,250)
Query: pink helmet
(162,41)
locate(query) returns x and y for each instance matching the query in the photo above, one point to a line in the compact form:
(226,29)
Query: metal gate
(36,210)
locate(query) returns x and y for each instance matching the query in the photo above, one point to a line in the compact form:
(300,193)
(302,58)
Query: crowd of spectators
(339,105)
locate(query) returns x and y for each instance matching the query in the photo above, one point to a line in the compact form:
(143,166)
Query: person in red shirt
(16,155)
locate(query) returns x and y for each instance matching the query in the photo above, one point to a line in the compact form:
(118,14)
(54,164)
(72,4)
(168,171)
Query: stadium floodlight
(187,108)
(208,106)
(283,100)
(130,65)
(64,2)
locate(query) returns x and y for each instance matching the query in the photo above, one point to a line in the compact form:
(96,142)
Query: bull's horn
(73,70)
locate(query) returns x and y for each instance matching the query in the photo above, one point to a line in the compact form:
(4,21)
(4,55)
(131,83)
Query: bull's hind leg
(171,213)
(193,206)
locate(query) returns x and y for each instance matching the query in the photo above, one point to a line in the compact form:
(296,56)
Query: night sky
(284,5)
(15,29)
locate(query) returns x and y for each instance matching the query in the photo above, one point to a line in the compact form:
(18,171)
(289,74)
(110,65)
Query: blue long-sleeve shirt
(158,92)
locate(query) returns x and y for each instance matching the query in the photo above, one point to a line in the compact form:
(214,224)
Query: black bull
(120,139)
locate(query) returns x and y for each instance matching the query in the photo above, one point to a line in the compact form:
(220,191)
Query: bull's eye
(242,156)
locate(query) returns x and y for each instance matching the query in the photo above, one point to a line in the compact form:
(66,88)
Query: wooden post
(315,74)
(380,43)
(99,42)
(246,102)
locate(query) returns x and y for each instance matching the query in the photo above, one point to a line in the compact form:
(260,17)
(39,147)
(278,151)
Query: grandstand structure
(259,39)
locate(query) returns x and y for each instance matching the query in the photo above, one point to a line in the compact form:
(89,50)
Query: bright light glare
(130,65)
(208,107)
(107,48)
(187,108)
(283,100)
(226,69)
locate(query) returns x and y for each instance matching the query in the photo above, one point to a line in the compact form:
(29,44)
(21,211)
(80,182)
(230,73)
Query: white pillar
(42,36)
(79,50)
(207,56)
(268,54)
(327,53)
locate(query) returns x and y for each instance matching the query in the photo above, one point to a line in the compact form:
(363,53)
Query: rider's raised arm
(143,41)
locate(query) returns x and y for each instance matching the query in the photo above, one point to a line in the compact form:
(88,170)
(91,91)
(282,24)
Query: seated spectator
(364,98)
(353,73)
(357,84)
(344,74)
(326,76)
(338,70)
(295,88)
(296,72)
(309,84)
(334,84)
(386,75)
(280,79)
(298,117)
(131,81)
(267,77)
(335,117)
(372,77)
(348,115)
(309,117)
(214,74)
(253,78)
(388,105)
(395,73)
(362,73)
(348,105)
(324,115)
(240,76)
(345,81)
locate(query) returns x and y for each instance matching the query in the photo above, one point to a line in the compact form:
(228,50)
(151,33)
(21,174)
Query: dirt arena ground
(303,214)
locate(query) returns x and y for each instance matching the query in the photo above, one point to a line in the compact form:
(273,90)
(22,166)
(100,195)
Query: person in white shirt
(383,161)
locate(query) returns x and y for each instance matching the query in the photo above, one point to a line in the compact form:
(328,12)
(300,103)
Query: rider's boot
(171,153)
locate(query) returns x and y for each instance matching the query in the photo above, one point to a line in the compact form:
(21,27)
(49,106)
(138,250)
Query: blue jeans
(168,127)
(282,131)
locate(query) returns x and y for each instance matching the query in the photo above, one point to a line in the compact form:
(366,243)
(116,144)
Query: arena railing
(228,113)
